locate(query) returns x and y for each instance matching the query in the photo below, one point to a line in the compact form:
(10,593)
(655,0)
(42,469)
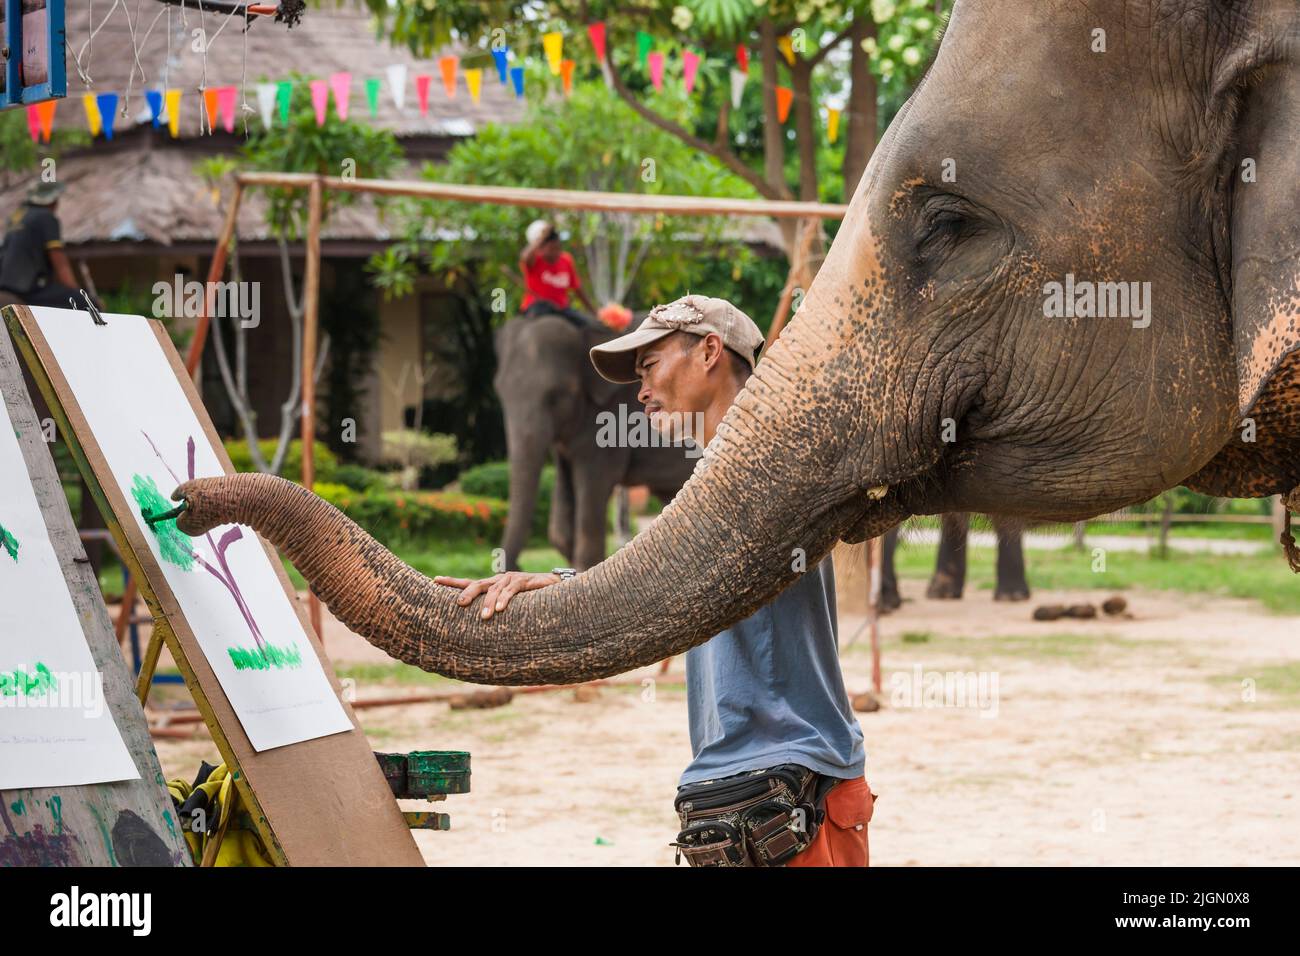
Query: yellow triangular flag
(832,124)
(786,47)
(553,44)
(174,112)
(473,80)
(92,113)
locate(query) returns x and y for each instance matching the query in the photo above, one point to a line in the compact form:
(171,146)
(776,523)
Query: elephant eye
(943,223)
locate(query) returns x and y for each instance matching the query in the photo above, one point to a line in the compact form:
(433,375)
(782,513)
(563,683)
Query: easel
(126,823)
(319,802)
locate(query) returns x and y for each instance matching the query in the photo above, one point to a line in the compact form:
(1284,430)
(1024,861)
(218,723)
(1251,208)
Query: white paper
(55,727)
(230,592)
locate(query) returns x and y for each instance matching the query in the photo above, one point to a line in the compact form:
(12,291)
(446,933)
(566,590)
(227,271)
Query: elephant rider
(765,698)
(33,265)
(550,276)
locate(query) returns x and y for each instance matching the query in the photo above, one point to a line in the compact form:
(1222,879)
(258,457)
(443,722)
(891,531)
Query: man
(34,266)
(549,276)
(766,693)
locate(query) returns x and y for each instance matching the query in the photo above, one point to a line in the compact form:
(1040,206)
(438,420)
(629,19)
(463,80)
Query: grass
(458,559)
(1276,685)
(1263,577)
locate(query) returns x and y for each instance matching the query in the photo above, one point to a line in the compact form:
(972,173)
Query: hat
(697,314)
(537,229)
(44,194)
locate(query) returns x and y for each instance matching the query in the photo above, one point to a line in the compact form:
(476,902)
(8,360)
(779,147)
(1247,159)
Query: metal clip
(90,306)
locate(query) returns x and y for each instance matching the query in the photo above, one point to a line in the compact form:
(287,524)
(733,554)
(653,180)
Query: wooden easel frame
(306,811)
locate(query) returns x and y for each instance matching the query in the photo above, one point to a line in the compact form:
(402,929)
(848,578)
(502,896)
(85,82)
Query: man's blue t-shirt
(769,691)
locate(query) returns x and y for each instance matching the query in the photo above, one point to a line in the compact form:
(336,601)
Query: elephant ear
(1263,236)
(600,391)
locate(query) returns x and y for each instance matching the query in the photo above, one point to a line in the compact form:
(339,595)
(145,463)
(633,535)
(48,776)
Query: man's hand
(500,588)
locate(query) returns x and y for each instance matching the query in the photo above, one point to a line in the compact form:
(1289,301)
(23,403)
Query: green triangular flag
(372,95)
(284,89)
(644,43)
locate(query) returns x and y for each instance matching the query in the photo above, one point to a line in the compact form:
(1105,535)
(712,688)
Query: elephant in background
(1100,172)
(551,397)
(949,579)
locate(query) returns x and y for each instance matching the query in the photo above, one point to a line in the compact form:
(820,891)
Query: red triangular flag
(784,97)
(596,31)
(742,58)
(33,122)
(422,92)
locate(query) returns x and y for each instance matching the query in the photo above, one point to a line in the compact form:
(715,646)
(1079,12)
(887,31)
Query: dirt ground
(1106,742)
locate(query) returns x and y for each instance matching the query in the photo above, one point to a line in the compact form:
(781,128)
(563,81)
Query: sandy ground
(1107,742)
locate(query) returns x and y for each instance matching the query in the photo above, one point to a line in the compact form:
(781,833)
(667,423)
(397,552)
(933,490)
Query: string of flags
(219,106)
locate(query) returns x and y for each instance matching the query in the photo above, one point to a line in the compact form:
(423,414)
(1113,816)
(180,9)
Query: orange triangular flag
(474,81)
(447,65)
(784,97)
(45,116)
(210,106)
(566,75)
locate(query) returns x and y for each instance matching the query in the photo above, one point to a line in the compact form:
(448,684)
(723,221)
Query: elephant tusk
(878,492)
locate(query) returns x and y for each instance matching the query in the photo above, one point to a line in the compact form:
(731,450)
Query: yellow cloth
(239,847)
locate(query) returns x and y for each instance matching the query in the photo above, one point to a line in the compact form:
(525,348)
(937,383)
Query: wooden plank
(125,823)
(320,802)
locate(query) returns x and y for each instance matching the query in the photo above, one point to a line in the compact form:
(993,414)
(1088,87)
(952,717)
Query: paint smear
(23,683)
(265,658)
(172,544)
(9,542)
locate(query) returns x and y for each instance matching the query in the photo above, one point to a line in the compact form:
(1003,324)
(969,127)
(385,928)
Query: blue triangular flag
(107,112)
(154,99)
(500,57)
(517,77)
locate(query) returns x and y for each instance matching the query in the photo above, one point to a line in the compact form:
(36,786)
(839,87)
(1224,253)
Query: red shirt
(550,279)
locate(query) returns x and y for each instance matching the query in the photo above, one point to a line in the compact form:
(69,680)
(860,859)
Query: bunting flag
(372,96)
(33,122)
(502,60)
(107,112)
(738,79)
(742,57)
(690,63)
(832,124)
(447,65)
(422,81)
(341,87)
(786,46)
(517,78)
(155,100)
(266,102)
(644,43)
(320,99)
(283,93)
(92,113)
(553,47)
(226,105)
(656,61)
(173,100)
(45,117)
(210,107)
(596,33)
(784,97)
(474,82)
(566,75)
(397,83)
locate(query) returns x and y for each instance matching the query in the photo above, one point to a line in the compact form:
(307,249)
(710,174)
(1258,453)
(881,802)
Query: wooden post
(875,567)
(311,303)
(800,277)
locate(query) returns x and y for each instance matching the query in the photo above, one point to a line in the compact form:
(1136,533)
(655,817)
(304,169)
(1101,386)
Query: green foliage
(492,480)
(17,151)
(325,461)
(419,516)
(360,478)
(349,315)
(907,34)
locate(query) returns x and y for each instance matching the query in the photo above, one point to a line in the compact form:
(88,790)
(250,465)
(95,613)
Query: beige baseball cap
(697,314)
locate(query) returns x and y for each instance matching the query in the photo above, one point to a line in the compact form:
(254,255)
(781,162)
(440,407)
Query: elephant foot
(1011,594)
(890,601)
(944,587)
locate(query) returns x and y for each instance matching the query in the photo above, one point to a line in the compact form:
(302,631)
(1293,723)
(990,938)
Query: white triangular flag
(266,102)
(738,79)
(397,83)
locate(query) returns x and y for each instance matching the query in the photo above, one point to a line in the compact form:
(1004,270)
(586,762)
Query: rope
(1288,542)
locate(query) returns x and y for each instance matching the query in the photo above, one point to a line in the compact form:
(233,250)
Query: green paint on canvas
(9,542)
(265,658)
(18,807)
(173,543)
(27,684)
(55,803)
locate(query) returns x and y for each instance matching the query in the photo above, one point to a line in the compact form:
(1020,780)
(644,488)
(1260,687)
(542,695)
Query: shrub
(492,480)
(326,462)
(359,477)
(419,516)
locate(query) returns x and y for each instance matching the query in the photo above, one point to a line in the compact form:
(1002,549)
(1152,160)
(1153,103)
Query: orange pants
(842,839)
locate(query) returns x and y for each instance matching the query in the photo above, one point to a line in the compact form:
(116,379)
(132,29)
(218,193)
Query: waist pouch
(759,818)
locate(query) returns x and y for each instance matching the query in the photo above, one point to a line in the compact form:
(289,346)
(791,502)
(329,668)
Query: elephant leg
(1012,584)
(950,568)
(890,599)
(560,529)
(527,456)
(592,488)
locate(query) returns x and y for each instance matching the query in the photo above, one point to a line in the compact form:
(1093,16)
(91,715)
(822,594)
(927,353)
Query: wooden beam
(311,304)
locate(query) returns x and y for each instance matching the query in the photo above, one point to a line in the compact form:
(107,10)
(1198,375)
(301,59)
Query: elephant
(1050,146)
(949,579)
(553,402)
